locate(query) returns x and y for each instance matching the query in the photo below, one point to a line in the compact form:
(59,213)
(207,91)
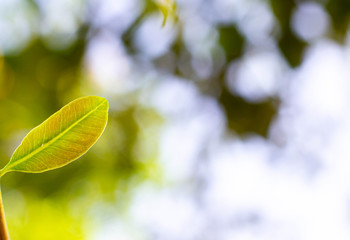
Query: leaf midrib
(52,141)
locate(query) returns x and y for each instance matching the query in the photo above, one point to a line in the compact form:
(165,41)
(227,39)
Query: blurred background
(230,122)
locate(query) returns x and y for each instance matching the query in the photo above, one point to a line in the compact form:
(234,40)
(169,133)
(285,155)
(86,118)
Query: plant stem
(4,233)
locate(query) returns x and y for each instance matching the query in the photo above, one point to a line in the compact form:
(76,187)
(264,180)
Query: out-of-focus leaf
(232,42)
(62,138)
(339,12)
(289,44)
(245,117)
(283,11)
(168,9)
(292,48)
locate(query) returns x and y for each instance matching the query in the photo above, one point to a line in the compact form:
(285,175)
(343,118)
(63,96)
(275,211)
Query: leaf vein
(53,140)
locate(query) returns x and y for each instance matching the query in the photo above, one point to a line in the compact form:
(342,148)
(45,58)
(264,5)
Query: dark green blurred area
(38,80)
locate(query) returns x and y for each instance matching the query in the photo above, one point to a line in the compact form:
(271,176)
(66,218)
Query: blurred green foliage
(35,84)
(38,80)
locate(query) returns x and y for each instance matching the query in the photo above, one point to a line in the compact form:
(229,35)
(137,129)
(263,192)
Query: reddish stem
(4,233)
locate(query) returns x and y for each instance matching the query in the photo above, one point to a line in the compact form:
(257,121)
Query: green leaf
(62,138)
